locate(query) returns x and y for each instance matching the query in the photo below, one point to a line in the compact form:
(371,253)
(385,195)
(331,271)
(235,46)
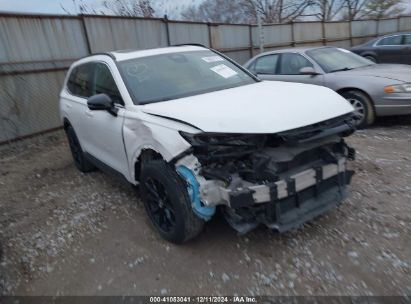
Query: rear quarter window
(391,40)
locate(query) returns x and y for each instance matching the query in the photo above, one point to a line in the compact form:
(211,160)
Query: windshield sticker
(344,50)
(212,59)
(224,71)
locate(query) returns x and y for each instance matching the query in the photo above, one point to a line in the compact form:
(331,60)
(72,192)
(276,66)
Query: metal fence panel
(36,50)
(239,56)
(188,33)
(255,36)
(307,32)
(109,33)
(363,28)
(387,26)
(276,34)
(358,41)
(405,23)
(346,44)
(32,109)
(337,30)
(230,36)
(40,38)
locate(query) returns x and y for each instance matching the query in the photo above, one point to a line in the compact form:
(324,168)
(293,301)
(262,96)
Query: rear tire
(363,107)
(167,203)
(371,58)
(80,160)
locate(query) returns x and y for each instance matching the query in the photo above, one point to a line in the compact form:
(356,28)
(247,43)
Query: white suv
(196,131)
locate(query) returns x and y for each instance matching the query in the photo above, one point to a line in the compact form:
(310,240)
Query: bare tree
(223,11)
(134,8)
(278,11)
(382,8)
(354,9)
(80,8)
(130,7)
(328,10)
(247,11)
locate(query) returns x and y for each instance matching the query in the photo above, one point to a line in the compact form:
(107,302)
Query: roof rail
(191,44)
(99,53)
(103,53)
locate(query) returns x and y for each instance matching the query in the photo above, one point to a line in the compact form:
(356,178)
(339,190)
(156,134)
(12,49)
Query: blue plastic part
(193,188)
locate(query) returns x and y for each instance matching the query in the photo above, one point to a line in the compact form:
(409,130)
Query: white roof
(125,55)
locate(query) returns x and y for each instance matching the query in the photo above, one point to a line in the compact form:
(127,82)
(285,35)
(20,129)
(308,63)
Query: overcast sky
(170,7)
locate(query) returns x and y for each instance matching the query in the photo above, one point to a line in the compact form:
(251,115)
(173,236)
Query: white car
(198,132)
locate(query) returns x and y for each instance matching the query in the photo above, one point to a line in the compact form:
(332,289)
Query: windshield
(335,59)
(175,75)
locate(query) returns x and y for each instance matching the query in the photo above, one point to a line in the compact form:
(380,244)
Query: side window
(104,83)
(407,39)
(266,64)
(391,40)
(291,64)
(79,82)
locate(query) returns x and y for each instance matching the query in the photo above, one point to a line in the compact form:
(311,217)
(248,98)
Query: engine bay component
(279,180)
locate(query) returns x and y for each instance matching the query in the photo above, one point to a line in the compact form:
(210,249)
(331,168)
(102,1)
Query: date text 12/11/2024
(204,299)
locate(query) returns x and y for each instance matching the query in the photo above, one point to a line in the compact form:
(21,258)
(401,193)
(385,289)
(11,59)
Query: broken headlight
(223,139)
(189,137)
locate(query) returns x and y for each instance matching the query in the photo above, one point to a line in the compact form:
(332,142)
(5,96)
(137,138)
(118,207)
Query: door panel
(407,50)
(390,49)
(79,89)
(103,131)
(288,69)
(105,138)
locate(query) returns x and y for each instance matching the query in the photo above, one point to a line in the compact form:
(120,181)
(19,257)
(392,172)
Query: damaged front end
(280,180)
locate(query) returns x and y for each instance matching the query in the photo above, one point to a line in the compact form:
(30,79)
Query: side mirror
(308,71)
(102,102)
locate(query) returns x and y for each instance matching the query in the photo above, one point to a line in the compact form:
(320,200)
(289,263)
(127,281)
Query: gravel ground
(67,233)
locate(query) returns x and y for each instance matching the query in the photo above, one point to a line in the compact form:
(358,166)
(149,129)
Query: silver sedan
(373,89)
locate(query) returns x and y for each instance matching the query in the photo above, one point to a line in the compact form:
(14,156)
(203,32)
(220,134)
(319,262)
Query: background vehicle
(373,89)
(393,48)
(197,131)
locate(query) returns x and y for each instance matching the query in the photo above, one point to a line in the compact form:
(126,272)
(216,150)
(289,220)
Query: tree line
(254,11)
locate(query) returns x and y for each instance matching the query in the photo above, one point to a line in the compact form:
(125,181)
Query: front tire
(167,203)
(363,107)
(80,160)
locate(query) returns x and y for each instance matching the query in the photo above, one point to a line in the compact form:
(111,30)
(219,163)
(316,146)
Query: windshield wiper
(339,70)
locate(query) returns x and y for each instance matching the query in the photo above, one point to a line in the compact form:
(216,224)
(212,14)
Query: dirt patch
(67,233)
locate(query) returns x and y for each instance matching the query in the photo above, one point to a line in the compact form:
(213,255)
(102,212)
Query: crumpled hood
(400,72)
(264,107)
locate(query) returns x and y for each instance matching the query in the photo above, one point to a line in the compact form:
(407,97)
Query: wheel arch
(351,89)
(348,89)
(66,123)
(146,154)
(370,54)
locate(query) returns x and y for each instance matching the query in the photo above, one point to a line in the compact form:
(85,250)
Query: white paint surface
(265,107)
